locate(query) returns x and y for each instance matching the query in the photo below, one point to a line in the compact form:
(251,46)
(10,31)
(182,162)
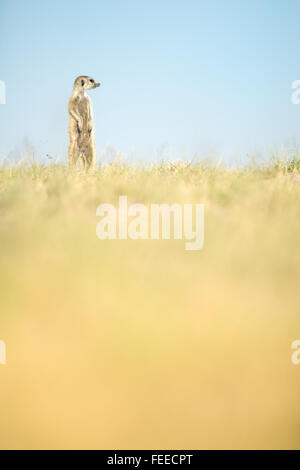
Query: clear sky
(178,77)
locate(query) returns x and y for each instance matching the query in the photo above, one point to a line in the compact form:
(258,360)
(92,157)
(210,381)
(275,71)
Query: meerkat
(81,124)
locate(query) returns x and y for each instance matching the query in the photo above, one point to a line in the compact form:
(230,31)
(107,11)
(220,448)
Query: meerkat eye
(82,82)
(92,81)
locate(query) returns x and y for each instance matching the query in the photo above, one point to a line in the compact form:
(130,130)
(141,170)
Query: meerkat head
(84,83)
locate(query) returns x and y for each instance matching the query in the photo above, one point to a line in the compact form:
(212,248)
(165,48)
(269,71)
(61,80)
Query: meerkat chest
(84,107)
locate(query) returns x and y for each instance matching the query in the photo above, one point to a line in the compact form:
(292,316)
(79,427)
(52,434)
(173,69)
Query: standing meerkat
(81,123)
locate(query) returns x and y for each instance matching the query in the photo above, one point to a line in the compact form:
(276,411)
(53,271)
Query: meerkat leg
(82,162)
(73,154)
(90,157)
(90,153)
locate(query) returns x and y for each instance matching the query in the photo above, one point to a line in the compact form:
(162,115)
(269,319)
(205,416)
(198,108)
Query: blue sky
(179,78)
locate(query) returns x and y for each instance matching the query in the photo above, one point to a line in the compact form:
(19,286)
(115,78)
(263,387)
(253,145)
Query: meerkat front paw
(79,127)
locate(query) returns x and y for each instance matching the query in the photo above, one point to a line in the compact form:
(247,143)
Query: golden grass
(141,344)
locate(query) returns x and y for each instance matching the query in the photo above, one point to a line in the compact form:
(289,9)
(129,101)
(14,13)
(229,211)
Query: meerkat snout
(92,84)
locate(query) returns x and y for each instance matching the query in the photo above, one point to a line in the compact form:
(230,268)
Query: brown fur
(81,124)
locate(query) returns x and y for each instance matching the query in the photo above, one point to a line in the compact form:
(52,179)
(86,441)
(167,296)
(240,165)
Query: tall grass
(141,344)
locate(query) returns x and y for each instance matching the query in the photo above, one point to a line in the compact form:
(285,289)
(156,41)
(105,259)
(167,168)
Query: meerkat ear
(82,82)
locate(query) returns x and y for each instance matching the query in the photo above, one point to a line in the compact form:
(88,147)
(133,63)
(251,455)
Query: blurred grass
(141,344)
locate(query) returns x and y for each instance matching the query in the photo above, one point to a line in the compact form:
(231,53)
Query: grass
(141,344)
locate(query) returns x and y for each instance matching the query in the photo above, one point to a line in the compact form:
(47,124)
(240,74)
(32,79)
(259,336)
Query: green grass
(141,344)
